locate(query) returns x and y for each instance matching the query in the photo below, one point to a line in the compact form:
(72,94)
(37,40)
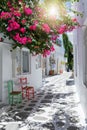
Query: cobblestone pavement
(55,107)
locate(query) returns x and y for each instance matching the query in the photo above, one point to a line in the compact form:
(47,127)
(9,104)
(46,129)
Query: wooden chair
(27,90)
(14,96)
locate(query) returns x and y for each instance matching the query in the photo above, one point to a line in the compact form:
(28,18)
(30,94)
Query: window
(25,61)
(21,62)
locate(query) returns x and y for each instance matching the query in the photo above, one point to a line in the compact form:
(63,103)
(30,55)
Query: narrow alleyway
(55,107)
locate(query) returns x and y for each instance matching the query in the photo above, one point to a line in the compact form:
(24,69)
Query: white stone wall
(80,56)
(0,72)
(6,68)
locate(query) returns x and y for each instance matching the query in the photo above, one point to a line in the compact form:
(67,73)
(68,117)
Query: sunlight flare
(53,11)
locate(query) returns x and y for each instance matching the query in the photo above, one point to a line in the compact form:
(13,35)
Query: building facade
(21,63)
(55,63)
(80,54)
(15,64)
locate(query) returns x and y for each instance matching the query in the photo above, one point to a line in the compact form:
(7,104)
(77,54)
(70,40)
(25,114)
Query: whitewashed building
(20,63)
(80,54)
(15,64)
(56,61)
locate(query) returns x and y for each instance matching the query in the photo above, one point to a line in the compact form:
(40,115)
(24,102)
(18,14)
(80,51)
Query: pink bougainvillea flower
(36,22)
(71,28)
(13,25)
(9,4)
(52,48)
(37,8)
(62,29)
(23,30)
(27,11)
(20,0)
(41,12)
(17,37)
(22,25)
(46,53)
(33,27)
(9,29)
(23,40)
(46,28)
(29,40)
(16,13)
(23,21)
(5,15)
(12,9)
(74,20)
(54,37)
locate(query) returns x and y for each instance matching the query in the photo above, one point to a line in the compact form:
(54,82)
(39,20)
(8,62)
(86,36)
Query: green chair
(13,96)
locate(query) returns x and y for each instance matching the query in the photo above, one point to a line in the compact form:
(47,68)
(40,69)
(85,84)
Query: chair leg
(9,100)
(22,94)
(28,95)
(12,99)
(20,98)
(29,92)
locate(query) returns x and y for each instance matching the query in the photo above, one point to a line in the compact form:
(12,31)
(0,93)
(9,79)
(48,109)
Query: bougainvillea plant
(28,24)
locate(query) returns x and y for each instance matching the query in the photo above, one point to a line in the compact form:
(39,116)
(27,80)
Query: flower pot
(51,72)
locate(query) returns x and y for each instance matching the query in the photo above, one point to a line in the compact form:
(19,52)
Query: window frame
(17,62)
(29,62)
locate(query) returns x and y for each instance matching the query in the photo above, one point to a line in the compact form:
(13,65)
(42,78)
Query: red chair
(27,91)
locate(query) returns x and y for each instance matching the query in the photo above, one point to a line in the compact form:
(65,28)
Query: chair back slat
(23,80)
(10,86)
